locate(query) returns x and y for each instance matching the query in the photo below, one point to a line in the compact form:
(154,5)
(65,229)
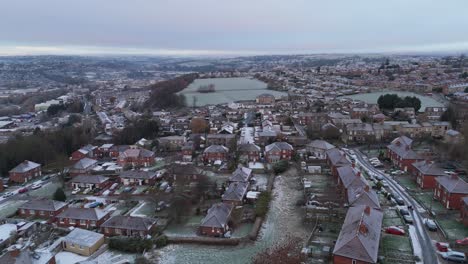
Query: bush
(130,244)
(263,203)
(59,195)
(281,166)
(161,241)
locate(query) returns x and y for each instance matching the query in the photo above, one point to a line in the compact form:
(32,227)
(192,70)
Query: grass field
(453,228)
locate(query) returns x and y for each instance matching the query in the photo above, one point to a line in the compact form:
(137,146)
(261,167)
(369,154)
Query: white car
(7,194)
(75,191)
(36,186)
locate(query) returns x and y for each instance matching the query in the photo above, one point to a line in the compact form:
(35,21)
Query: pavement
(425,242)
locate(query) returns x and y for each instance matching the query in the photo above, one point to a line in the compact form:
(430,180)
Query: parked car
(45,178)
(395,231)
(430,224)
(23,190)
(87,190)
(127,189)
(75,191)
(7,194)
(404,211)
(442,247)
(408,219)
(399,200)
(454,256)
(36,186)
(95,204)
(462,242)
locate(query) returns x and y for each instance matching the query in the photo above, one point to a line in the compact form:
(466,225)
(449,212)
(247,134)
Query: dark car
(399,200)
(430,224)
(404,212)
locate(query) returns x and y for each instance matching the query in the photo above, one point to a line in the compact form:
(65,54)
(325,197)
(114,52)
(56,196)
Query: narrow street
(430,255)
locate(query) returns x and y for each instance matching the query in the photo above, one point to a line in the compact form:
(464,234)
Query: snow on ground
(68,258)
(135,210)
(113,257)
(416,245)
(6,230)
(256,165)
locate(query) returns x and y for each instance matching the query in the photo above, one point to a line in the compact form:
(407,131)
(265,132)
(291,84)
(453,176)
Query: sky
(240,27)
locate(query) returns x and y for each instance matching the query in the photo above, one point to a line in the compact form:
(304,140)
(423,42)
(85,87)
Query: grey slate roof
(137,174)
(248,147)
(84,163)
(402,147)
(25,166)
(337,157)
(83,237)
(453,184)
(94,179)
(241,174)
(218,216)
(429,168)
(136,153)
(320,144)
(278,146)
(83,213)
(360,234)
(235,191)
(363,196)
(216,149)
(349,177)
(130,222)
(43,204)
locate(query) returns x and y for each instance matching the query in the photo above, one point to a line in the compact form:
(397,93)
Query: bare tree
(287,252)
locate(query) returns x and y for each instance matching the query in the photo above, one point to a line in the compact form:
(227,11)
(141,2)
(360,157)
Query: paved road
(429,253)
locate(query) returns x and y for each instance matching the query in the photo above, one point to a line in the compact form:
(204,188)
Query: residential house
(42,208)
(266,137)
(136,157)
(265,98)
(235,193)
(349,177)
(450,191)
(363,196)
(89,182)
(278,151)
(116,150)
(318,148)
(249,152)
(335,159)
(400,153)
(137,177)
(215,153)
(439,129)
(187,151)
(104,150)
(122,225)
(241,174)
(226,140)
(25,171)
(17,255)
(359,133)
(359,238)
(216,221)
(82,242)
(184,172)
(426,173)
(171,143)
(83,166)
(88,151)
(411,130)
(88,218)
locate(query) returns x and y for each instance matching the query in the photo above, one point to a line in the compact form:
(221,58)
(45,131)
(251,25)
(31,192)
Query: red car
(442,247)
(462,242)
(395,231)
(23,190)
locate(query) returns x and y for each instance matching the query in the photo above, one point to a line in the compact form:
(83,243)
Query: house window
(118,231)
(93,223)
(41,213)
(72,221)
(82,222)
(354,261)
(31,211)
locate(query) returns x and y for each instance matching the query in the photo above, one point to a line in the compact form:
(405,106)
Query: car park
(430,224)
(395,231)
(454,256)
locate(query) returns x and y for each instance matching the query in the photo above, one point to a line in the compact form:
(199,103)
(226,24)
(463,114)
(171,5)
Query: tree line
(392,101)
(164,94)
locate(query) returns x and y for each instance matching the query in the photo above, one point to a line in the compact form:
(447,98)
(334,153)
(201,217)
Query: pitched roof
(83,213)
(130,222)
(136,153)
(83,237)
(216,149)
(360,234)
(241,174)
(320,144)
(25,166)
(453,184)
(337,157)
(138,174)
(402,147)
(84,163)
(43,204)
(217,216)
(248,147)
(429,168)
(94,179)
(235,191)
(278,146)
(350,177)
(363,196)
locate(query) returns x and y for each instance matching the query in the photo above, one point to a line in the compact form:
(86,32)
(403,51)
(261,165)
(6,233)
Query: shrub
(263,203)
(281,166)
(59,195)
(161,241)
(130,244)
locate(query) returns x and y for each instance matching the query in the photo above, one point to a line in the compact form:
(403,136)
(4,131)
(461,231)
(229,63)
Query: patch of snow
(68,258)
(133,213)
(6,230)
(416,244)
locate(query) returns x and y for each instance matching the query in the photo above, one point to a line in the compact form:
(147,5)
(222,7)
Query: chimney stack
(353,165)
(367,210)
(366,188)
(358,174)
(363,229)
(454,176)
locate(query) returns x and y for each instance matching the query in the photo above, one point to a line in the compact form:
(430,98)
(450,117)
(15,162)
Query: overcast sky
(204,27)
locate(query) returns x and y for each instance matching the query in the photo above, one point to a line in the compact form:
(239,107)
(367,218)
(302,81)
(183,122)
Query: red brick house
(265,98)
(122,225)
(87,218)
(42,208)
(400,153)
(214,153)
(464,211)
(83,166)
(249,152)
(216,221)
(235,193)
(104,150)
(277,151)
(359,238)
(25,171)
(426,173)
(136,157)
(115,150)
(450,191)
(349,178)
(335,159)
(88,151)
